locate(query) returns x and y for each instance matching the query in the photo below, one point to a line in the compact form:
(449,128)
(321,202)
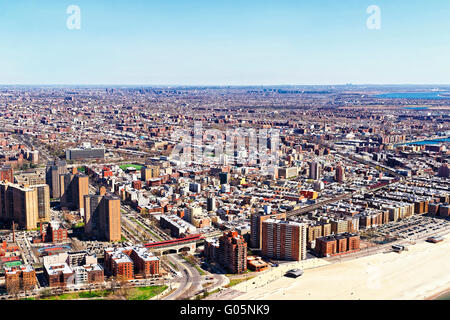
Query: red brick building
(341,244)
(137,184)
(326,246)
(256,221)
(118,264)
(353,242)
(145,264)
(53,232)
(6,173)
(20,278)
(232,252)
(7,247)
(131,262)
(58,274)
(337,244)
(284,240)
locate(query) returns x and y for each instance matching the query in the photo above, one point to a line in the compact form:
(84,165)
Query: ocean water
(414,95)
(436,141)
(416,108)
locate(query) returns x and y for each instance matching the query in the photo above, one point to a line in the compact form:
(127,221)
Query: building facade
(53,171)
(232,252)
(20,278)
(73,189)
(20,204)
(102,217)
(256,222)
(284,240)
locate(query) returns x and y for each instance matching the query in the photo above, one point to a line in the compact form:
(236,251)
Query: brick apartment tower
(149,172)
(315,170)
(232,252)
(102,216)
(256,221)
(340,175)
(74,187)
(19,203)
(43,198)
(284,240)
(53,171)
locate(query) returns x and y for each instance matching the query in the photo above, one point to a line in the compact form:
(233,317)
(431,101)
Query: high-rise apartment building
(340,174)
(315,170)
(53,171)
(73,189)
(232,252)
(339,226)
(102,216)
(191,212)
(149,172)
(43,202)
(110,219)
(284,240)
(146,173)
(20,204)
(211,203)
(256,221)
(314,232)
(224,177)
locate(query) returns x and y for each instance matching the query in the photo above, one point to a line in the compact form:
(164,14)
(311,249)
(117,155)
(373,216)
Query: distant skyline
(220,43)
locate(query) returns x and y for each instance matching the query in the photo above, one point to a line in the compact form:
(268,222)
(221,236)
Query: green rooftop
(125,166)
(13,264)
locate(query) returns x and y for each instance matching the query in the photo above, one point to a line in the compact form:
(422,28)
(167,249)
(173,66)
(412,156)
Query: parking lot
(415,227)
(98,247)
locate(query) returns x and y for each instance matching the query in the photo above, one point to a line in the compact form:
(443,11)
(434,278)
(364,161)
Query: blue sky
(216,42)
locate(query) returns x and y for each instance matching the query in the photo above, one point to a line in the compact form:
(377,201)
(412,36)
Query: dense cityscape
(192,193)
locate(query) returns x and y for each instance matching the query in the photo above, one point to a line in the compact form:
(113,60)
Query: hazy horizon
(423,85)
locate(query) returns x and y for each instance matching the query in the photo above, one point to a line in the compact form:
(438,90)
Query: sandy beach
(419,273)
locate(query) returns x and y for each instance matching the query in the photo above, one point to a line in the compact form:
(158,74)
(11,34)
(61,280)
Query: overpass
(372,164)
(319,205)
(358,159)
(186,244)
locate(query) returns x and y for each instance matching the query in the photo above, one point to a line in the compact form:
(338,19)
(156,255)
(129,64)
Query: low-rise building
(131,262)
(19,278)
